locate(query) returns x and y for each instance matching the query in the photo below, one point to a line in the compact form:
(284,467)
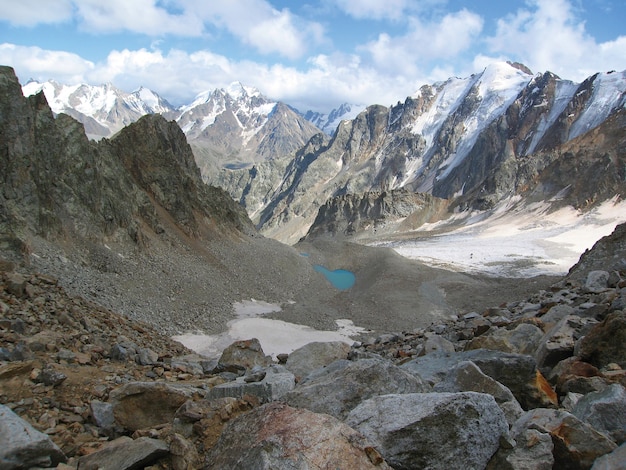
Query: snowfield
(512,243)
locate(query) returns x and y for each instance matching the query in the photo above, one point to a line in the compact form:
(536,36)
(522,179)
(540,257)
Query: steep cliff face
(375,213)
(58,184)
(473,141)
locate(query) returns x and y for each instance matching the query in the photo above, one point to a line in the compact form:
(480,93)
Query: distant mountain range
(472,141)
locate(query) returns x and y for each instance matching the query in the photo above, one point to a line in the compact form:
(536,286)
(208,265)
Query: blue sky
(312,55)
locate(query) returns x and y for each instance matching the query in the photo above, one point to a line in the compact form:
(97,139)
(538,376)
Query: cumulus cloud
(548,36)
(33,12)
(41,64)
(426,41)
(138,16)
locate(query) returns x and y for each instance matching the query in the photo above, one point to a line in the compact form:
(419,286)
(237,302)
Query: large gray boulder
(518,372)
(341,386)
(312,356)
(605,410)
(278,437)
(532,450)
(276,382)
(467,377)
(432,430)
(22,446)
(125,454)
(612,461)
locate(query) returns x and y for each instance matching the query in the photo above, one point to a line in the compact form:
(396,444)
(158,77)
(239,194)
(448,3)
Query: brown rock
(604,344)
(140,405)
(244,353)
(276,436)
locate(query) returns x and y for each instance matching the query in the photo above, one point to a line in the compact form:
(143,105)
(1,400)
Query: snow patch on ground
(275,336)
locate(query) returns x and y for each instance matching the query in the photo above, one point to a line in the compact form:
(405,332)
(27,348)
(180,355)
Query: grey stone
(437,343)
(314,355)
(615,460)
(467,377)
(342,385)
(597,281)
(275,384)
(102,414)
(558,343)
(125,453)
(244,353)
(23,446)
(605,410)
(432,430)
(576,443)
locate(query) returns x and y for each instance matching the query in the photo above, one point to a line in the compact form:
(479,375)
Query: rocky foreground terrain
(531,383)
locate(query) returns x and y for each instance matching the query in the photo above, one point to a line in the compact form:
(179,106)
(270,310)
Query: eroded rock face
(276,436)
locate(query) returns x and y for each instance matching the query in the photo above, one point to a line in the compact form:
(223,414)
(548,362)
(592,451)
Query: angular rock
(278,437)
(518,372)
(605,411)
(467,377)
(432,430)
(312,356)
(23,446)
(532,451)
(597,281)
(102,414)
(523,339)
(604,344)
(612,461)
(244,353)
(339,387)
(125,454)
(277,382)
(183,453)
(139,405)
(576,443)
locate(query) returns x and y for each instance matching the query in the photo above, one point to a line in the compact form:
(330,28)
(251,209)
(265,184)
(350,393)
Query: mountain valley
(110,246)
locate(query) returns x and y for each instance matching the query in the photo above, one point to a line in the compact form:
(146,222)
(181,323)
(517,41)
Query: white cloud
(33,12)
(40,64)
(426,42)
(548,36)
(258,24)
(138,16)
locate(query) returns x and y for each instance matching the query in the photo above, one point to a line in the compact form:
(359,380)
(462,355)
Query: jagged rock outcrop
(375,213)
(473,141)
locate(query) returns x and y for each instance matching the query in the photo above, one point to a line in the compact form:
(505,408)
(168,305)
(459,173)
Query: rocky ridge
(534,383)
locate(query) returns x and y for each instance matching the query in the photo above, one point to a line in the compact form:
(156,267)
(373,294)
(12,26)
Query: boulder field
(537,383)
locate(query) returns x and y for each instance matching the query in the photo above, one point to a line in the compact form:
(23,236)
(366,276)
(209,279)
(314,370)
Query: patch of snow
(275,336)
(607,94)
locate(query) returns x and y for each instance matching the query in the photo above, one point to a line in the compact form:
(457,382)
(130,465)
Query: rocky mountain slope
(475,140)
(536,382)
(103,110)
(129,223)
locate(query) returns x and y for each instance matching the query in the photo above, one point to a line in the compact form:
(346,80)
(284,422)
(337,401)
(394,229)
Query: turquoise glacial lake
(341,279)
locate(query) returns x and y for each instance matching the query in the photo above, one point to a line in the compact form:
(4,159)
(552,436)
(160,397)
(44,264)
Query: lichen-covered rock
(432,430)
(278,437)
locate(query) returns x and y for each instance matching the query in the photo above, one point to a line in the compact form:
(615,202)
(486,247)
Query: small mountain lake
(341,279)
